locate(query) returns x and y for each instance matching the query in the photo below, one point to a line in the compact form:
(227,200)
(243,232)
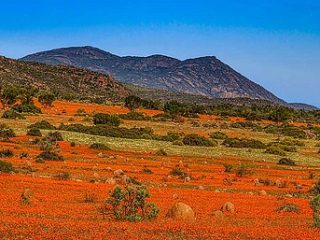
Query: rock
(187,179)
(110,181)
(181,211)
(118,172)
(288,196)
(228,207)
(181,164)
(100,155)
(217,191)
(262,193)
(218,214)
(175,196)
(201,188)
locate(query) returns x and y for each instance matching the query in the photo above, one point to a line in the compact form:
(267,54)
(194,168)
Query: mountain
(205,76)
(68,80)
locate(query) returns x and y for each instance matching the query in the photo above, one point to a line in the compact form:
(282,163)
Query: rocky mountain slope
(65,79)
(205,76)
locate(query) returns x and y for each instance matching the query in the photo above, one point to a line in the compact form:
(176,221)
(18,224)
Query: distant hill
(206,76)
(65,79)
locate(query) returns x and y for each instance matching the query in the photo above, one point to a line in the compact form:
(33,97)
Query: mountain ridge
(207,76)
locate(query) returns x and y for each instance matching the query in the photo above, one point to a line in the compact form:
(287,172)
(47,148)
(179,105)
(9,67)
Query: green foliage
(6,132)
(218,135)
(197,140)
(315,205)
(26,108)
(129,203)
(99,146)
(243,170)
(63,176)
(6,153)
(49,155)
(42,125)
(161,152)
(243,143)
(132,102)
(288,208)
(286,161)
(228,168)
(34,132)
(46,98)
(276,150)
(11,114)
(178,172)
(6,167)
(106,119)
(54,137)
(135,116)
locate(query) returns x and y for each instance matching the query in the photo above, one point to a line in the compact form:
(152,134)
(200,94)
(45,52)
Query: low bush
(286,161)
(177,143)
(11,114)
(197,140)
(99,146)
(276,150)
(106,119)
(6,153)
(161,152)
(6,167)
(178,172)
(288,208)
(243,170)
(42,125)
(49,155)
(63,176)
(128,203)
(54,137)
(34,132)
(6,132)
(228,168)
(27,108)
(243,143)
(218,135)
(138,116)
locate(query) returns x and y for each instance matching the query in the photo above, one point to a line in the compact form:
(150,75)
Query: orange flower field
(59,208)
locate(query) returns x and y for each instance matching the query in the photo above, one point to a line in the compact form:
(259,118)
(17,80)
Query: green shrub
(11,114)
(197,140)
(49,155)
(288,208)
(54,136)
(218,135)
(315,205)
(161,152)
(63,176)
(135,116)
(286,161)
(6,132)
(276,150)
(6,153)
(27,108)
(243,143)
(177,143)
(99,146)
(42,125)
(243,170)
(129,203)
(6,167)
(178,172)
(106,119)
(72,144)
(34,132)
(228,168)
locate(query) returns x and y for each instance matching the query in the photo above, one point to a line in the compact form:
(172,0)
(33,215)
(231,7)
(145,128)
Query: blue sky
(275,43)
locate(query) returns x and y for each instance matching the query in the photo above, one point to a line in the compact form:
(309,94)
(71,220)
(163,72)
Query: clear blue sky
(275,43)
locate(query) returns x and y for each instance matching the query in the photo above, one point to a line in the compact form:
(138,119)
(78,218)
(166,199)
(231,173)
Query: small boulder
(181,211)
(262,193)
(118,173)
(228,207)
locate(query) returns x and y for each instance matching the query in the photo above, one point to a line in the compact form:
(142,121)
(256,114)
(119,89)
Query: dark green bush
(49,155)
(99,146)
(6,167)
(11,114)
(34,132)
(54,136)
(286,161)
(197,140)
(6,132)
(106,119)
(27,108)
(42,125)
(129,203)
(6,153)
(243,143)
(135,116)
(218,135)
